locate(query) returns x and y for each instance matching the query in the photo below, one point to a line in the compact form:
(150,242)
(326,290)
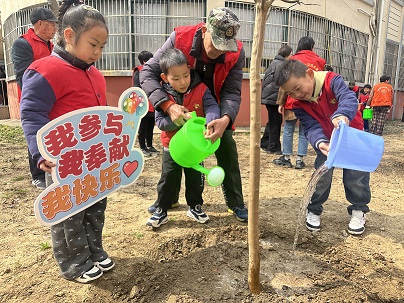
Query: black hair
(172,57)
(367,86)
(384,78)
(288,69)
(144,56)
(328,68)
(79,17)
(305,43)
(285,51)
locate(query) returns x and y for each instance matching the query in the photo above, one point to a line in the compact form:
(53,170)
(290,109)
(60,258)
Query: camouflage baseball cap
(223,25)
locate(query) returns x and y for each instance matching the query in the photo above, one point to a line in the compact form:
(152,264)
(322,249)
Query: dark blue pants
(270,140)
(356,185)
(169,185)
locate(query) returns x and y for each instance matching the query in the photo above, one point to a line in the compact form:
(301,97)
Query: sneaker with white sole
(39,183)
(158,218)
(105,265)
(357,224)
(197,214)
(312,221)
(90,275)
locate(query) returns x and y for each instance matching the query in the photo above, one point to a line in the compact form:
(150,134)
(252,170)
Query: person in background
(33,45)
(305,54)
(353,87)
(145,134)
(363,100)
(270,141)
(213,51)
(381,101)
(323,100)
(185,88)
(53,86)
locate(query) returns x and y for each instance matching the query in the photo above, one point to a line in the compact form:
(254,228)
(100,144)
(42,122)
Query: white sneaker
(357,224)
(90,275)
(312,221)
(105,265)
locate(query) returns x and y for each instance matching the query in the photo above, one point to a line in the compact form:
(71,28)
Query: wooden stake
(261,13)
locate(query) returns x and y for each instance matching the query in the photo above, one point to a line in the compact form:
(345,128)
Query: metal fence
(145,25)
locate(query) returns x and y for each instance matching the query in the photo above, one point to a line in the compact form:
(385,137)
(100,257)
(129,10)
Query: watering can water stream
(188,148)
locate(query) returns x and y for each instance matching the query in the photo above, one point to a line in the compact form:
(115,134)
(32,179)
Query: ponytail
(79,17)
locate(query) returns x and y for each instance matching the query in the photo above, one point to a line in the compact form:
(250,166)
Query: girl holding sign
(63,82)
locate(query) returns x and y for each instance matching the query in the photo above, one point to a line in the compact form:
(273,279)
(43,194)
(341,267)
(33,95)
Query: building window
(390,60)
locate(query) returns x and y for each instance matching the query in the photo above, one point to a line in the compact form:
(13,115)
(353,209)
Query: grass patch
(44,245)
(18,179)
(11,134)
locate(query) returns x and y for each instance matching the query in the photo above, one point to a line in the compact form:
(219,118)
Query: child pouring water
(323,99)
(55,85)
(185,88)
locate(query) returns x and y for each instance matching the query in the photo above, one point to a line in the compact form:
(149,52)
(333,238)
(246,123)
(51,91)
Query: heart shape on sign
(130,167)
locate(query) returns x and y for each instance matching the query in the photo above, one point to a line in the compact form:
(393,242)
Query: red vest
(39,47)
(193,102)
(325,107)
(183,41)
(312,61)
(74,88)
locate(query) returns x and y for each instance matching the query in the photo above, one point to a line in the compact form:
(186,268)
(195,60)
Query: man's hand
(336,120)
(324,147)
(216,128)
(280,109)
(178,114)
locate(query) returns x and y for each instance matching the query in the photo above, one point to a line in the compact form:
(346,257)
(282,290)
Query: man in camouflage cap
(213,51)
(223,26)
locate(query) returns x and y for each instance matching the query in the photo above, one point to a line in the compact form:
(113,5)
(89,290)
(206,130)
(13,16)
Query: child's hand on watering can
(178,114)
(216,128)
(336,120)
(324,147)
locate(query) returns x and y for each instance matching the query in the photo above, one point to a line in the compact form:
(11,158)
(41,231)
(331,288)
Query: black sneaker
(300,164)
(152,149)
(146,152)
(240,212)
(158,218)
(197,214)
(283,162)
(272,152)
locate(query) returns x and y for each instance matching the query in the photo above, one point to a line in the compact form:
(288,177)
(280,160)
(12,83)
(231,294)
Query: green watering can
(367,113)
(188,148)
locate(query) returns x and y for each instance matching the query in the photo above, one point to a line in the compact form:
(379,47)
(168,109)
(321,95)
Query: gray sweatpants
(77,241)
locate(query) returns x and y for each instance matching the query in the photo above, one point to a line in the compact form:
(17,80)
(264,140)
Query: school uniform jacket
(331,98)
(56,85)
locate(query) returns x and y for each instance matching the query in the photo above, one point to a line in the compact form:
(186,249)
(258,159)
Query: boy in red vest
(186,89)
(323,100)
